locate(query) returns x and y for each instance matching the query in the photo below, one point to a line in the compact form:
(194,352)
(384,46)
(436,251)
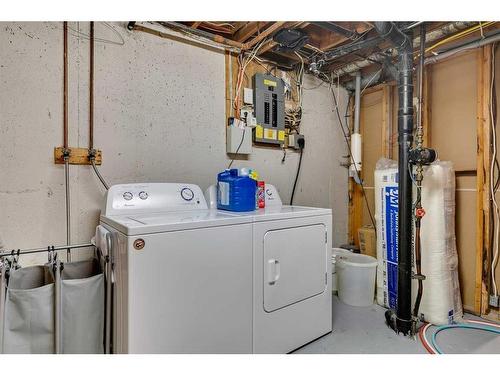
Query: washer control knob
(187,194)
(127,196)
(143,195)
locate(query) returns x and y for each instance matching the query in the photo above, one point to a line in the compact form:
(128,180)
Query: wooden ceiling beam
(238,26)
(248,30)
(264,34)
(324,39)
(196,24)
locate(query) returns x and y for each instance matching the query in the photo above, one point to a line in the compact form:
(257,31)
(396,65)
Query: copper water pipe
(65,86)
(91,88)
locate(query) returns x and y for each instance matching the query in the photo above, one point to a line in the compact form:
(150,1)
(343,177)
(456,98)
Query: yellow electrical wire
(465,32)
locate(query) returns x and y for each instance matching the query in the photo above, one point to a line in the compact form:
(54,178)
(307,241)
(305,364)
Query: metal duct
(380,57)
(401,320)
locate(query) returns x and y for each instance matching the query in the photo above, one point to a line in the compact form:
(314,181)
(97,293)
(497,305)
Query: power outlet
(293,140)
(494,301)
(248,117)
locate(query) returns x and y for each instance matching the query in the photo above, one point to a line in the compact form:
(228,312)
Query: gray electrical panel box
(269,108)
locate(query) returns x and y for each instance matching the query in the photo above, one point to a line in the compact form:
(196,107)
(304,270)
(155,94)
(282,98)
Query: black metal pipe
(401,321)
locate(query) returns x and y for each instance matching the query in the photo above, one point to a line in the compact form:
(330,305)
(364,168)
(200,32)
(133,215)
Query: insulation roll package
(441,301)
(386,218)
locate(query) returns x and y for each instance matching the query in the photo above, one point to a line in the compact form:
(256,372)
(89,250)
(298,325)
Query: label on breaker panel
(270,134)
(281,135)
(224,193)
(391,219)
(268,82)
(259,131)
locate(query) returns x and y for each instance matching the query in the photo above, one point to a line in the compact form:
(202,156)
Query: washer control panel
(153,197)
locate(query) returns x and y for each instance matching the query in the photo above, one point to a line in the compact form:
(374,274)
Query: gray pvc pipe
(58,317)
(68,209)
(109,293)
(357,102)
(3,268)
(475,44)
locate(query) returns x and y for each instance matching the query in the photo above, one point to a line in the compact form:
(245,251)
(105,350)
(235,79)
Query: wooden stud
(78,156)
(483,162)
(196,24)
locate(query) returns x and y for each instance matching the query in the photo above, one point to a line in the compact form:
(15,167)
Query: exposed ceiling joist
(248,30)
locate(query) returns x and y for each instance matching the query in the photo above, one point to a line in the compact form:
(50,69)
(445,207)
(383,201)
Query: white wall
(159,116)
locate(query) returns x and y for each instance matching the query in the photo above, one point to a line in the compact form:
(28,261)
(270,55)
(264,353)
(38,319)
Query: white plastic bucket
(336,252)
(356,279)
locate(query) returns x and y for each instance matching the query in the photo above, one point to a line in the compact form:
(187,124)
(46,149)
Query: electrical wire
(492,183)
(346,138)
(237,149)
(79,34)
(465,32)
(243,63)
(296,176)
(370,81)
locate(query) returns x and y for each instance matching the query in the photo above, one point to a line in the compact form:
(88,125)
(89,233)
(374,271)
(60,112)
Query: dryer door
(294,265)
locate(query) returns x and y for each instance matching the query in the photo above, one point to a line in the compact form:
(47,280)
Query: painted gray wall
(159,116)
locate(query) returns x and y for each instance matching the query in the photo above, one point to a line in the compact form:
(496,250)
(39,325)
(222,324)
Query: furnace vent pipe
(401,319)
(431,36)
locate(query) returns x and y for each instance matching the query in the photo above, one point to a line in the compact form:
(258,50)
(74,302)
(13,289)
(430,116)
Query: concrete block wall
(159,117)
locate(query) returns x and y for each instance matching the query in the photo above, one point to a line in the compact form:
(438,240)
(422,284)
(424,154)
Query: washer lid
(172,221)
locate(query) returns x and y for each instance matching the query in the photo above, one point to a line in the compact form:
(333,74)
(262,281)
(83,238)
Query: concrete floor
(362,330)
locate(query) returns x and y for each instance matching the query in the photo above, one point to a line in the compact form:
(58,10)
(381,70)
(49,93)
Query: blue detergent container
(235,192)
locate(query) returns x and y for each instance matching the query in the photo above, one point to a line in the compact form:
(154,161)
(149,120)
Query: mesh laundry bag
(82,305)
(29,311)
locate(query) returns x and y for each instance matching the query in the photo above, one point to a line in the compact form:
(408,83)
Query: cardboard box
(367,240)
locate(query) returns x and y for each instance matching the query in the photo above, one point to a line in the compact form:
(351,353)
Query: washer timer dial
(127,196)
(187,194)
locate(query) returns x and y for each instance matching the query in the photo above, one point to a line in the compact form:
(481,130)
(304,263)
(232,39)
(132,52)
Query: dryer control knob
(143,195)
(127,196)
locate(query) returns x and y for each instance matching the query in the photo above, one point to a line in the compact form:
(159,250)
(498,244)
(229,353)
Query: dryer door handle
(273,271)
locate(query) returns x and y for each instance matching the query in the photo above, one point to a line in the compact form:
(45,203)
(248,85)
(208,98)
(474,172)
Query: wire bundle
(293,116)
(494,183)
(243,62)
(433,348)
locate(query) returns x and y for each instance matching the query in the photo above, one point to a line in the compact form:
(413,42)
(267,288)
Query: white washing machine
(292,299)
(182,273)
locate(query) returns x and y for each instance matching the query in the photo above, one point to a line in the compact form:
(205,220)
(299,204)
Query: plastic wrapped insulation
(386,218)
(441,302)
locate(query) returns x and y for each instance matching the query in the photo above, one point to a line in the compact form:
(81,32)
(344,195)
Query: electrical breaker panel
(269,108)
